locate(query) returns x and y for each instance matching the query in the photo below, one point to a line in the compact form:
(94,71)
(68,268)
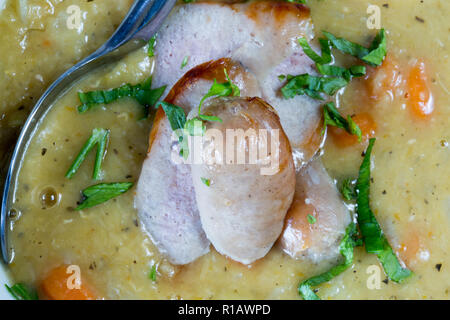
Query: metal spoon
(141,23)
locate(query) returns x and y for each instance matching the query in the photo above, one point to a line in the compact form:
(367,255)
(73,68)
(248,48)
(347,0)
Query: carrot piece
(384,80)
(56,286)
(344,139)
(297,226)
(419,94)
(411,247)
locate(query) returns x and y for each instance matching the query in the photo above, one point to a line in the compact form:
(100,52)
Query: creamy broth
(409,193)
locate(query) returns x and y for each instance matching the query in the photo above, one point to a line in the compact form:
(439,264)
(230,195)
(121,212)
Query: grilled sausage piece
(262,36)
(243,197)
(165,197)
(316,195)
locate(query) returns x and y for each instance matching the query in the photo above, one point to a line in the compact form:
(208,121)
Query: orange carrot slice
(58,285)
(384,80)
(419,95)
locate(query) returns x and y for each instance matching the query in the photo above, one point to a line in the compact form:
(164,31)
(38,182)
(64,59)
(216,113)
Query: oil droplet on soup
(49,197)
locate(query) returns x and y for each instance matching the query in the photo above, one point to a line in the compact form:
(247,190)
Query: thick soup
(403,102)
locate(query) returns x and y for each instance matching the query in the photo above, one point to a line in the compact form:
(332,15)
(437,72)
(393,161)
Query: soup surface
(410,189)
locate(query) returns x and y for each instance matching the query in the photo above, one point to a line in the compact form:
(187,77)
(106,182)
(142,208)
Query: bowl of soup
(251,150)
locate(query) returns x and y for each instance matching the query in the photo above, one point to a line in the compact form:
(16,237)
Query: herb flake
(99,138)
(374,55)
(20,292)
(332,117)
(311,219)
(152,274)
(184,62)
(142,93)
(99,193)
(206,182)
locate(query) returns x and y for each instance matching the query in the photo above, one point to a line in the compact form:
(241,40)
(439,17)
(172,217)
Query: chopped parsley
(177,120)
(312,86)
(142,93)
(99,193)
(374,239)
(333,77)
(332,117)
(297,1)
(311,219)
(99,138)
(324,46)
(225,89)
(184,62)
(207,182)
(20,292)
(175,115)
(151,46)
(195,127)
(348,190)
(152,274)
(374,55)
(340,72)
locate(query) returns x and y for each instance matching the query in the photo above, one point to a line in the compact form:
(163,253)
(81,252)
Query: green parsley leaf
(374,239)
(348,190)
(311,219)
(209,118)
(99,193)
(141,92)
(207,182)
(374,55)
(297,1)
(236,91)
(219,90)
(152,274)
(151,46)
(377,50)
(347,74)
(184,62)
(353,128)
(281,77)
(175,115)
(325,47)
(216,90)
(20,292)
(195,127)
(346,247)
(178,123)
(98,137)
(311,86)
(332,117)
